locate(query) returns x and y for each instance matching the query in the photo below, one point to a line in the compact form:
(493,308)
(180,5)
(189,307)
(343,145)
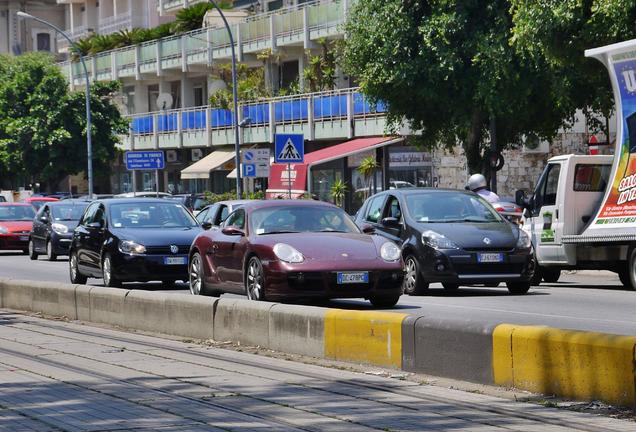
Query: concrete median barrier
(54,299)
(242,321)
(82,302)
(450,348)
(297,329)
(189,316)
(107,305)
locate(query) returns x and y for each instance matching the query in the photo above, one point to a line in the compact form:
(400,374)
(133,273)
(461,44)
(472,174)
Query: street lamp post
(89,147)
(237,150)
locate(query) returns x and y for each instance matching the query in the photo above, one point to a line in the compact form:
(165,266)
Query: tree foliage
(43,124)
(560,31)
(447,68)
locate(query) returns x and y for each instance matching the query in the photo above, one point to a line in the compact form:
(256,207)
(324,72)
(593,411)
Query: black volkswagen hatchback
(126,240)
(450,236)
(53,228)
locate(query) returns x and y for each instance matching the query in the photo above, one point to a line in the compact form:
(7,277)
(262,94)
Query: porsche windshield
(293,219)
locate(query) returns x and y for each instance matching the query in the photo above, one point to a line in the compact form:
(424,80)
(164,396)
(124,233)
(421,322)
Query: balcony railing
(291,26)
(341,113)
(76,34)
(122,21)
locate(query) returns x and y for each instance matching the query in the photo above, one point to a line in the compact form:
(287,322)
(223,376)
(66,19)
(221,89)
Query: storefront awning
(201,169)
(280,177)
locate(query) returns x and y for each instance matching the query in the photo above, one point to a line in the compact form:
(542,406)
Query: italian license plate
(24,238)
(174,260)
(353,277)
(490,257)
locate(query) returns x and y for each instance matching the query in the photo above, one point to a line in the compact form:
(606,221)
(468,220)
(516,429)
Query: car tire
(255,280)
(537,276)
(384,302)
(551,275)
(623,276)
(413,283)
(196,275)
(518,288)
(107,273)
(450,286)
(50,255)
(631,268)
(76,276)
(33,255)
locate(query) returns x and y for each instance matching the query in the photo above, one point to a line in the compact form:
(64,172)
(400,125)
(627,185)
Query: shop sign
(409,159)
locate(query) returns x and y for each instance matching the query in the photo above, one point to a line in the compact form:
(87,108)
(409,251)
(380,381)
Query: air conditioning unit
(196,154)
(532,144)
(172,156)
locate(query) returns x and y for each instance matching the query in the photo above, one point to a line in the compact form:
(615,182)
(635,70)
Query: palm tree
(190,18)
(338,191)
(367,169)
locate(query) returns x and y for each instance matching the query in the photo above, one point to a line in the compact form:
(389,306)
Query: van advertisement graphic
(620,204)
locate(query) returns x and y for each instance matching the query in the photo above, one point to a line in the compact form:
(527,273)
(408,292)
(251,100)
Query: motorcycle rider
(477,183)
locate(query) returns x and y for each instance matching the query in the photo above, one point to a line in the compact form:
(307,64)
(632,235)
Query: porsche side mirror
(368,229)
(206,225)
(232,231)
(390,222)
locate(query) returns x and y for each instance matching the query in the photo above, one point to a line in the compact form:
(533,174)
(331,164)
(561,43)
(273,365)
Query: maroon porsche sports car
(282,249)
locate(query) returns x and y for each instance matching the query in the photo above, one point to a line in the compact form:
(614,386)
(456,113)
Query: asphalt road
(592,301)
(61,377)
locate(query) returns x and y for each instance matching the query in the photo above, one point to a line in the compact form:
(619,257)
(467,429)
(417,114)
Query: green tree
(43,124)
(446,67)
(368,167)
(191,18)
(560,31)
(338,190)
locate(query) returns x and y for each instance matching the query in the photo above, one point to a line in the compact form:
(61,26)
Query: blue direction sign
(145,160)
(289,148)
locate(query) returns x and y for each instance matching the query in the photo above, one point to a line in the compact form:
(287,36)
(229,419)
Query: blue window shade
(362,106)
(221,118)
(291,110)
(167,122)
(142,125)
(330,106)
(193,120)
(259,114)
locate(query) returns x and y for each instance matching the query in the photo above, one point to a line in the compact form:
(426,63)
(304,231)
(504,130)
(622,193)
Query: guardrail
(575,364)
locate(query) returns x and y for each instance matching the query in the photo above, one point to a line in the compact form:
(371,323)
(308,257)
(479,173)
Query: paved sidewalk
(59,376)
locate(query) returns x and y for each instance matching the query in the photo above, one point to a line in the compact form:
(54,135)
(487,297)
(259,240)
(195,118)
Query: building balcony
(295,26)
(171,7)
(337,114)
(76,34)
(121,21)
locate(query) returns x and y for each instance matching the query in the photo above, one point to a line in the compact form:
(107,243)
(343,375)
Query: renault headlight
(390,252)
(287,253)
(4,230)
(59,228)
(437,240)
(524,241)
(131,247)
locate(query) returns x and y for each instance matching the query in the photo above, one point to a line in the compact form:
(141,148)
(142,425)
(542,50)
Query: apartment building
(19,36)
(340,126)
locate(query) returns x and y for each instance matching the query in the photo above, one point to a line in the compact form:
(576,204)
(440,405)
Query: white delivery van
(582,214)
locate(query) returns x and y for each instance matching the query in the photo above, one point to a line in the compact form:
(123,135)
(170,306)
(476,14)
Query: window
(591,178)
(393,209)
(222,214)
(198,96)
(88,215)
(236,219)
(43,41)
(202,215)
(546,191)
(374,211)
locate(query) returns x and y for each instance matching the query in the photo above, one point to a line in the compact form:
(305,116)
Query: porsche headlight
(390,252)
(287,253)
(437,240)
(4,230)
(524,241)
(59,228)
(131,247)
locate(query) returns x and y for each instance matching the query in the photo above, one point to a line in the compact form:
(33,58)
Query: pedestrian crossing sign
(289,148)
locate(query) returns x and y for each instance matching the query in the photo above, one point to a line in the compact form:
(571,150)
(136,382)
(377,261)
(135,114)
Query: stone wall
(520,171)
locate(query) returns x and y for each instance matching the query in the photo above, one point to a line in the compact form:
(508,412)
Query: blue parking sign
(249,170)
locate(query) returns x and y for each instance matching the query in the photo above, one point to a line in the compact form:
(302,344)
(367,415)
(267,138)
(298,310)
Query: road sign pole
(134,182)
(157,181)
(289,178)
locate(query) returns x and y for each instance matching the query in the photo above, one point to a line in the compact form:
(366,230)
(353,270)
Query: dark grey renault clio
(450,236)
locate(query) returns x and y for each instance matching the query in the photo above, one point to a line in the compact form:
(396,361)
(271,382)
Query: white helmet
(476,182)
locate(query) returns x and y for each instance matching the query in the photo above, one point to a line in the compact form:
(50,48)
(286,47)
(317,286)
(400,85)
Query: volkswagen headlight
(437,240)
(390,252)
(59,228)
(524,241)
(287,253)
(4,230)
(131,247)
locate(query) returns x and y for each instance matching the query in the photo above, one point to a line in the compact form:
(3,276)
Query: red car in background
(37,202)
(16,221)
(291,249)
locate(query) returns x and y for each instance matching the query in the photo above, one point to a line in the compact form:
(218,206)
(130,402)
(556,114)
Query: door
(95,239)
(229,250)
(81,238)
(547,220)
(392,209)
(373,213)
(39,228)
